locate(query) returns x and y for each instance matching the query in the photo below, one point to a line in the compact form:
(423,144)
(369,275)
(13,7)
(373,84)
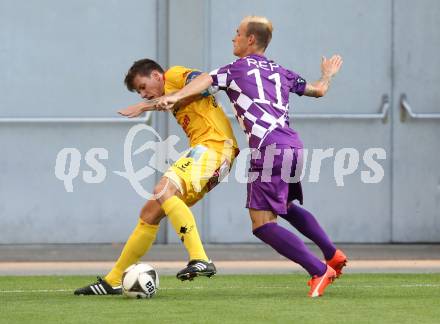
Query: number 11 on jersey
(262,98)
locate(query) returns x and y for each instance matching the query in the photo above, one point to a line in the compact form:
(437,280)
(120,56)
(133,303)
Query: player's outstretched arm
(190,91)
(329,68)
(139,108)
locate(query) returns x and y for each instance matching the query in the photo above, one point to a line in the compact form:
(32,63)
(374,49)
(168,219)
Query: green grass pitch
(355,298)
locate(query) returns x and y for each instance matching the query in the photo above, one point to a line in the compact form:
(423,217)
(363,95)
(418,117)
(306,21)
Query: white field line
(23,291)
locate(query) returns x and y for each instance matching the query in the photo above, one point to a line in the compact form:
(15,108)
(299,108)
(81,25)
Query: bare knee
(152,213)
(261,217)
(164,190)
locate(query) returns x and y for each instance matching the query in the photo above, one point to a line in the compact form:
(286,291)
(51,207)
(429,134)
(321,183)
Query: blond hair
(261,28)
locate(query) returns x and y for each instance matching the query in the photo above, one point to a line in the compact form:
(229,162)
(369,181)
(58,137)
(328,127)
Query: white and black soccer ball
(140,281)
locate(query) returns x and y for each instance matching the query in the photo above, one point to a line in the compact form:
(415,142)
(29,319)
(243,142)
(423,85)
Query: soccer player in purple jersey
(259,90)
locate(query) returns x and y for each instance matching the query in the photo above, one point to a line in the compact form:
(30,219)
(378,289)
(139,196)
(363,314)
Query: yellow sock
(137,245)
(185,226)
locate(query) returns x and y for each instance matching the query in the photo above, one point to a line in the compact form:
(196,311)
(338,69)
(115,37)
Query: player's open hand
(329,67)
(131,111)
(139,108)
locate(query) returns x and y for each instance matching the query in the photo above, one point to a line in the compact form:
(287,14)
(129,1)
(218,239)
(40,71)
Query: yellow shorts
(198,171)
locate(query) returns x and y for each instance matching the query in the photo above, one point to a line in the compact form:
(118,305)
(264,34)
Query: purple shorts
(272,185)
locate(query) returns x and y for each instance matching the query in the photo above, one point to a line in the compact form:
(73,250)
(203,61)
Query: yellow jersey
(203,120)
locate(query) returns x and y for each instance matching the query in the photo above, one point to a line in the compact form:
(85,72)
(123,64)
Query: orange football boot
(318,284)
(338,261)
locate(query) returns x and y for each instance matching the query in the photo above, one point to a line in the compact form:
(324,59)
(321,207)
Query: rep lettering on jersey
(268,66)
(259,90)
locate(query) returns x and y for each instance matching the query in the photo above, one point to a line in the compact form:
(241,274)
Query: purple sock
(307,225)
(289,245)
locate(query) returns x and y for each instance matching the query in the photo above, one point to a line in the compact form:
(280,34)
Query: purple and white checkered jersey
(259,90)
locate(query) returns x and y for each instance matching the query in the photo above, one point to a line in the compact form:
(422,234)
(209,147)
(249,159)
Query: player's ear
(251,40)
(156,75)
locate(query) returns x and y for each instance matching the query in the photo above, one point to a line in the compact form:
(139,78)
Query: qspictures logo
(346,162)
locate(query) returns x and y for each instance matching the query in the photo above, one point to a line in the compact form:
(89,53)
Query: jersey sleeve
(179,76)
(296,82)
(176,76)
(194,74)
(221,77)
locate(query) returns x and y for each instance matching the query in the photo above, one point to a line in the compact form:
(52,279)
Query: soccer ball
(140,281)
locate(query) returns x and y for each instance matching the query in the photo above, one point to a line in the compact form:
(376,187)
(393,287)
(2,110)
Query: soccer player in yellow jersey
(213,149)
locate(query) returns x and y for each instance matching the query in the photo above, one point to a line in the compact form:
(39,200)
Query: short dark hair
(142,67)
